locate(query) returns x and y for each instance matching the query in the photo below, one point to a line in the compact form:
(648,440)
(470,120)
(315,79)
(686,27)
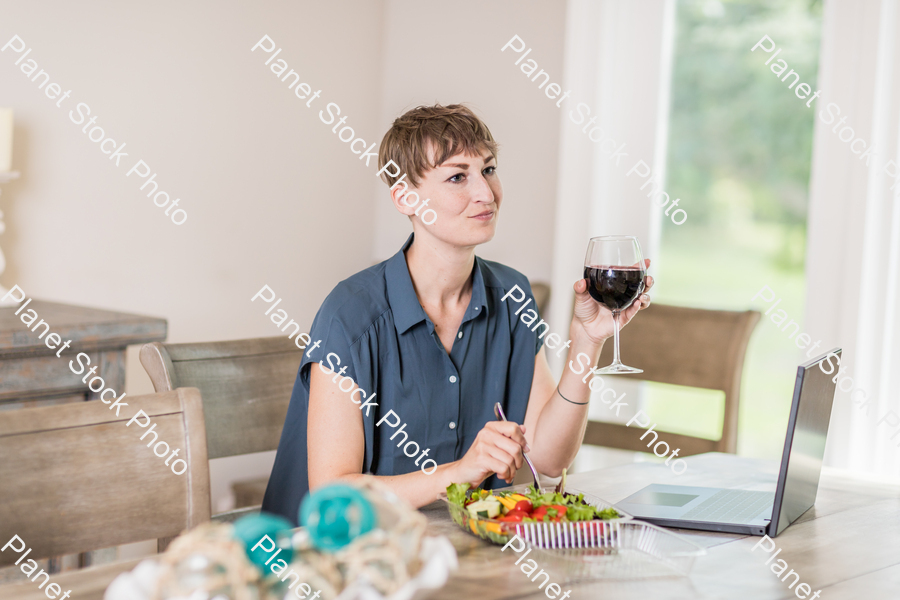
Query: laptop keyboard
(730,506)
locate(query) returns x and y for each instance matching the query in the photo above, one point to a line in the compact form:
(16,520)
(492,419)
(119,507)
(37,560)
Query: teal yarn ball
(335,515)
(263,535)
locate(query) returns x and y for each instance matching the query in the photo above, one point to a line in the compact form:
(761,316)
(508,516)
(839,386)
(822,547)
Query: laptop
(752,512)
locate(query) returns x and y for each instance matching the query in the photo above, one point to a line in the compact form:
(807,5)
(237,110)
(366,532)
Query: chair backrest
(246,387)
(76,478)
(541,293)
(683,346)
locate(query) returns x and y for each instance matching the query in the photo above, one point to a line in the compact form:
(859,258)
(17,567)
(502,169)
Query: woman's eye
(490,170)
(457,178)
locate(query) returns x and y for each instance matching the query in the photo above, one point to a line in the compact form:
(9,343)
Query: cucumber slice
(484,508)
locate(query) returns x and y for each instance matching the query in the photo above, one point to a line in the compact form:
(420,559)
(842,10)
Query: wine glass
(614,270)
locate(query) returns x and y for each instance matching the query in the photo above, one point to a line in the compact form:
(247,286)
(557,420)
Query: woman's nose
(482,191)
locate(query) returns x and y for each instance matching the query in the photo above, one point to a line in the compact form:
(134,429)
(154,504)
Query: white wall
(272,196)
(435,52)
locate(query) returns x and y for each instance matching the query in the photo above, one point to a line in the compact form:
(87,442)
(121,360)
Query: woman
(416,350)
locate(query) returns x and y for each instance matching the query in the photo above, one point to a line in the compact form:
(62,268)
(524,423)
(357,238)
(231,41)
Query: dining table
(846,547)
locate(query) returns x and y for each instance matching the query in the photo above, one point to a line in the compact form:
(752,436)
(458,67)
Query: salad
(530,507)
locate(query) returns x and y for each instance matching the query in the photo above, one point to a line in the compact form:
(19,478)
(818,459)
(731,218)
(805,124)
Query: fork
(498,412)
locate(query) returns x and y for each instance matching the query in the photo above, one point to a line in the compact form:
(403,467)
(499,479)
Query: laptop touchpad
(649,496)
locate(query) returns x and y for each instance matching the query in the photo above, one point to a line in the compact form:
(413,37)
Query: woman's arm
(557,427)
(336,446)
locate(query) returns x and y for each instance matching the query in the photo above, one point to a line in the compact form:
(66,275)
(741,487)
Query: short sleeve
(329,345)
(538,339)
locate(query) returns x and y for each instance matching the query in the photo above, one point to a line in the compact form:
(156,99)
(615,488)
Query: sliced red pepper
(539,513)
(558,514)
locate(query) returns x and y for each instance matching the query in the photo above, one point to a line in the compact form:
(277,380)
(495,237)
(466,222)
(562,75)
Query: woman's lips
(485,216)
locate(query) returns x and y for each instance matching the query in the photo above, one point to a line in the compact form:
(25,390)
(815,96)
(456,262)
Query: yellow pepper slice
(473,526)
(495,527)
(517,497)
(507,501)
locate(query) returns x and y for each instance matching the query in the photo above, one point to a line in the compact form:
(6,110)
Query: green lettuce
(607,513)
(577,510)
(456,493)
(580,513)
(545,498)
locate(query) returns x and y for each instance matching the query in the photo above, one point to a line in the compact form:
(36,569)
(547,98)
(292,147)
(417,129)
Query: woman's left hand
(596,319)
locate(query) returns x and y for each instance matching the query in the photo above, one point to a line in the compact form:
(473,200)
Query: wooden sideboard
(32,375)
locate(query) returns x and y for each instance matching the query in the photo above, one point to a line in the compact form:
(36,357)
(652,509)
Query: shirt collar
(405,306)
(478,304)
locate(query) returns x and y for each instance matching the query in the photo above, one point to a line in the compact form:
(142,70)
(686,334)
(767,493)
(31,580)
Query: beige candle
(6,139)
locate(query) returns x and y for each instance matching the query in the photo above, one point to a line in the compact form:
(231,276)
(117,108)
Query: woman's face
(465,194)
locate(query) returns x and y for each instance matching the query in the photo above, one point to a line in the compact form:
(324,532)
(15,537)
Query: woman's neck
(441,274)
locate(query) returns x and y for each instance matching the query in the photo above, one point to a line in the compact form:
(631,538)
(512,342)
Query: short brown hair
(451,129)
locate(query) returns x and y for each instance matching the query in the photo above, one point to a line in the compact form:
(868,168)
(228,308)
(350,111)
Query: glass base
(617,368)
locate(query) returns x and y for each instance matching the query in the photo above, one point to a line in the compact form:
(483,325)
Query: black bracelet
(569,401)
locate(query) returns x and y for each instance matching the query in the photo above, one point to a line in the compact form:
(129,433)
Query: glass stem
(616,360)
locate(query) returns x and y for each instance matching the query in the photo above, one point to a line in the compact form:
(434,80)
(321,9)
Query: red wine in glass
(614,270)
(614,287)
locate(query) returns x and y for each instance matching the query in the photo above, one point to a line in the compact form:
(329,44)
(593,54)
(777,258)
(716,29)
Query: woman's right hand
(498,448)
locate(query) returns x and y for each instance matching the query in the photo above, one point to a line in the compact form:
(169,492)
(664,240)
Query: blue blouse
(373,326)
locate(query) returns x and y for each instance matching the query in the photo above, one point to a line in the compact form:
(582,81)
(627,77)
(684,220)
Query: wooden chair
(683,346)
(76,478)
(246,388)
(541,293)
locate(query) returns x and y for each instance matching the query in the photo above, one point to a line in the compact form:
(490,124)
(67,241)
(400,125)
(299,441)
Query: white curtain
(618,63)
(853,248)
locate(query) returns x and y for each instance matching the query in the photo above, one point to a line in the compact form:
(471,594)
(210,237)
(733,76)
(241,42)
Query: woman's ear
(404,197)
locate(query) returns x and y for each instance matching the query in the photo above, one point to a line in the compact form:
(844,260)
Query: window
(739,158)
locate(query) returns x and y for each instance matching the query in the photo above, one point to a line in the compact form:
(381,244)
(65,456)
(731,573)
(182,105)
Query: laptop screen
(804,445)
